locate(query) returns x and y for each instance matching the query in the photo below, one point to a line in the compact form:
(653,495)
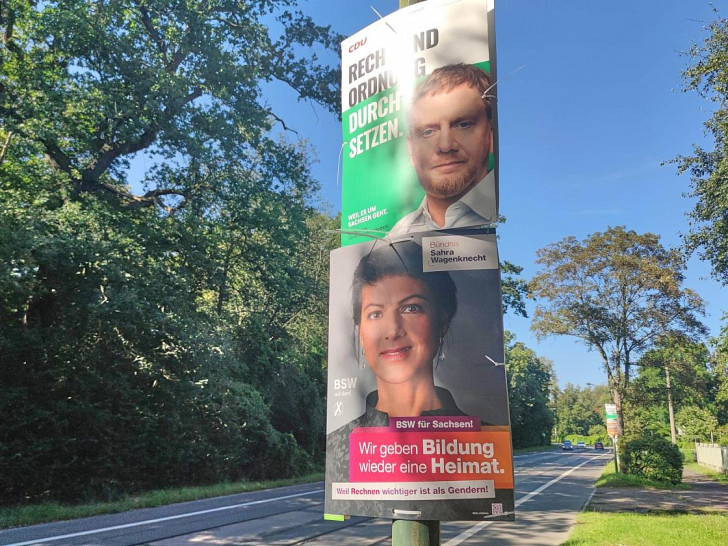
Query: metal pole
(415,533)
(408,532)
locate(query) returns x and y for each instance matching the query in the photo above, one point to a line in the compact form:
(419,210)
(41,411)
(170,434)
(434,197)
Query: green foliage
(651,457)
(695,424)
(586,438)
(515,290)
(124,383)
(687,364)
(708,75)
(690,456)
(599,432)
(709,472)
(579,410)
(719,374)
(91,84)
(611,478)
(530,379)
(47,512)
(169,337)
(642,417)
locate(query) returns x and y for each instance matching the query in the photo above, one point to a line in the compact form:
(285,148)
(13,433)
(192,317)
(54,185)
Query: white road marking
(452,542)
(159,520)
(468,533)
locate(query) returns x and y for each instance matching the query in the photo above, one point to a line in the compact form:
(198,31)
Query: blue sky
(585,126)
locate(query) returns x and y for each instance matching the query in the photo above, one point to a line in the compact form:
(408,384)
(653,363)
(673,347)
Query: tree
(515,290)
(695,424)
(530,380)
(579,411)
(673,373)
(617,292)
(93,83)
(708,75)
(719,374)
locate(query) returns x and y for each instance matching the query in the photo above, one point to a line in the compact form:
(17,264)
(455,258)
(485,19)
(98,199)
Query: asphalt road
(551,488)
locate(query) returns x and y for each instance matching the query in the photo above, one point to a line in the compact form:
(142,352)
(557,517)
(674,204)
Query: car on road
(598,445)
(580,445)
(566,445)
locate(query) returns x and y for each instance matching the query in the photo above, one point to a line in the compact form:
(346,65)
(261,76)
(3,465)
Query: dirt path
(704,495)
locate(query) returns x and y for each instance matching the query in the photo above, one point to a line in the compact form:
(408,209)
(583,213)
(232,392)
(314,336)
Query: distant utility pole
(669,405)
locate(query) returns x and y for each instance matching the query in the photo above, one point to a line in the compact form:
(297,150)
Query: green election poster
(419,121)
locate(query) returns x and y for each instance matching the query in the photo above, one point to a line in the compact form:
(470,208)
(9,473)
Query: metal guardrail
(712,456)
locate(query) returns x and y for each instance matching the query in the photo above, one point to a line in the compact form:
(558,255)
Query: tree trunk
(617,398)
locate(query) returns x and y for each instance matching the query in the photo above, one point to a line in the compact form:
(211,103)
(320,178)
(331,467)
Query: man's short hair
(446,78)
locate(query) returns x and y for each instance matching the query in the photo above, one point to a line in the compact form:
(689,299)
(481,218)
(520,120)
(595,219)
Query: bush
(651,457)
(588,440)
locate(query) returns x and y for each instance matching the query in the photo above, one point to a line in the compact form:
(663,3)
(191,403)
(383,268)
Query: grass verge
(717,476)
(656,529)
(610,478)
(47,512)
(534,449)
(630,529)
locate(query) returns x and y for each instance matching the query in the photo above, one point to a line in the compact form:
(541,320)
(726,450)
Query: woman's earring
(359,349)
(440,352)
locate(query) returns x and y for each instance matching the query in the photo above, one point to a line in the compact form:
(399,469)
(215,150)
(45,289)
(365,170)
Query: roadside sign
(612,421)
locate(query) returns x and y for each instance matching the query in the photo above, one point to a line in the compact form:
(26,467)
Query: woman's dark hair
(404,258)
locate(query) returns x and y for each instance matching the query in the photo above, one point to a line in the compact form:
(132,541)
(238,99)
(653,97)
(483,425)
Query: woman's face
(398,330)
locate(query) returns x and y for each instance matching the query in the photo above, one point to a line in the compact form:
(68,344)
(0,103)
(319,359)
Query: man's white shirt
(475,208)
